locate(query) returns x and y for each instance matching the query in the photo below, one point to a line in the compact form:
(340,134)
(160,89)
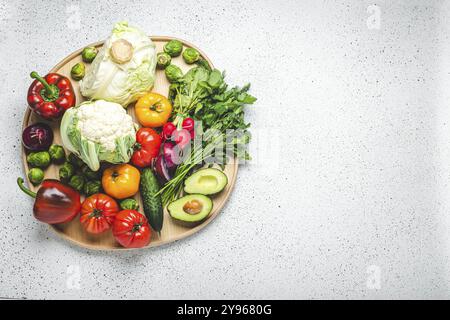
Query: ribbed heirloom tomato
(146,148)
(131,229)
(98,212)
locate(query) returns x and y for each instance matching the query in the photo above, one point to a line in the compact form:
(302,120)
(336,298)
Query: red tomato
(146,148)
(98,212)
(131,229)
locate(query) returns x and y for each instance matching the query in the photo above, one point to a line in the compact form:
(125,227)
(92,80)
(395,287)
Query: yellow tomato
(153,110)
(121,181)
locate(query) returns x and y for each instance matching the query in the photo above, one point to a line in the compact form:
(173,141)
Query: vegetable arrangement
(111,159)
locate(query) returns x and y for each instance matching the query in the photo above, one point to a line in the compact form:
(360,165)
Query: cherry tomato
(146,148)
(131,229)
(167,130)
(98,212)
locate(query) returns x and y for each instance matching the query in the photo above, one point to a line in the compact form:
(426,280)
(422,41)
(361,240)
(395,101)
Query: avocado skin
(176,211)
(192,184)
(152,204)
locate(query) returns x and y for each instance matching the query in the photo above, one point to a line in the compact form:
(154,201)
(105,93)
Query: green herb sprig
(203,94)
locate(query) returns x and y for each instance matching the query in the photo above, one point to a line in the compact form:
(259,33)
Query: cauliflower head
(99,131)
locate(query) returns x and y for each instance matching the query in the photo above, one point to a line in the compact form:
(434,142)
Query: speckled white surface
(363,172)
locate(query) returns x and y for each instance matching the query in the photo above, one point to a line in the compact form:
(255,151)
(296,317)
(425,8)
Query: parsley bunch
(203,94)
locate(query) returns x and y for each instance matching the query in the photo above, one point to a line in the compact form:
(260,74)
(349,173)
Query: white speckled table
(357,204)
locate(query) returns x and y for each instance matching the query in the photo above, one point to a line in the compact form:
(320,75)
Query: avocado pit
(193,207)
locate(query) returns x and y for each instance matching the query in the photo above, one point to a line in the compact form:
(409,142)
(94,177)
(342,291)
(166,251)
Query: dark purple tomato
(37,137)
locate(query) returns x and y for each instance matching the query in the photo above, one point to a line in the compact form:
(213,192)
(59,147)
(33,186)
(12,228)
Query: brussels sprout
(190,55)
(92,187)
(173,73)
(129,204)
(173,48)
(77,182)
(36,175)
(39,159)
(77,71)
(163,60)
(75,161)
(57,153)
(88,173)
(66,171)
(89,53)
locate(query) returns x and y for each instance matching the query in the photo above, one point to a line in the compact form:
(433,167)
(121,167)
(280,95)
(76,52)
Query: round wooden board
(171,230)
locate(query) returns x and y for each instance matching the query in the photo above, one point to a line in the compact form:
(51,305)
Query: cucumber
(152,204)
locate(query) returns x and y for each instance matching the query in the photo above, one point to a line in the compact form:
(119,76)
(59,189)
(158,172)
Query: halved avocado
(206,181)
(190,208)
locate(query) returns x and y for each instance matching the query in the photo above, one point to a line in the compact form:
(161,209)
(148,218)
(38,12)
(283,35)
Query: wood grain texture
(171,230)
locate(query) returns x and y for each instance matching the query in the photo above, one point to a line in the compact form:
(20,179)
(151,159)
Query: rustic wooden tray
(171,230)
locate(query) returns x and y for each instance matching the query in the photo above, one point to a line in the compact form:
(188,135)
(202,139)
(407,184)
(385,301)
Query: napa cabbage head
(99,131)
(124,68)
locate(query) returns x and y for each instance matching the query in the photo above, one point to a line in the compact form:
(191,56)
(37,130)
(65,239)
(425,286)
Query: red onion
(161,169)
(37,137)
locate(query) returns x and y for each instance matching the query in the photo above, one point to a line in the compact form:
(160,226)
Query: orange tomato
(121,181)
(153,110)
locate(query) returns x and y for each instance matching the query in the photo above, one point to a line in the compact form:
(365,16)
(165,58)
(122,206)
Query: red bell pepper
(148,143)
(55,202)
(51,96)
